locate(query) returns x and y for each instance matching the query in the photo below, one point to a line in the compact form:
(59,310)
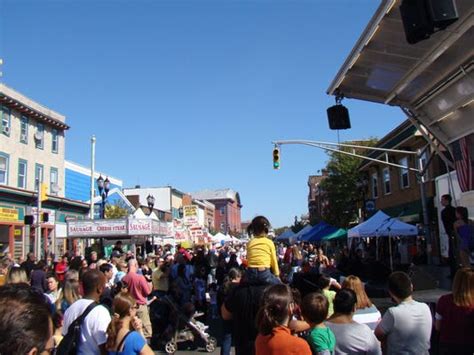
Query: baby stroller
(187,329)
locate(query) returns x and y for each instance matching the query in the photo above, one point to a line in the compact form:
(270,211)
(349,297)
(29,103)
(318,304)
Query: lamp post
(104,188)
(150,200)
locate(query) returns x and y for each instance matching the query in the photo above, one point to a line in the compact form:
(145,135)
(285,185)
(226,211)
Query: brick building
(227,216)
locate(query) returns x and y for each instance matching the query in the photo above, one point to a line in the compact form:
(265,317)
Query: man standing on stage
(448,216)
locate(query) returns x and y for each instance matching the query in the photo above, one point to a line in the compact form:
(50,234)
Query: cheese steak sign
(97,228)
(115,227)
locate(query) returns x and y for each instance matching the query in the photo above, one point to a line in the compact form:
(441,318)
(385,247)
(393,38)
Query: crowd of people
(268,298)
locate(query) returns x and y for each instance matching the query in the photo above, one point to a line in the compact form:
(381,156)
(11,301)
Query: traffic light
(43,191)
(276,158)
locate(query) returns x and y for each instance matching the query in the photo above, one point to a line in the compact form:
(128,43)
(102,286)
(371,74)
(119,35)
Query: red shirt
(60,269)
(457,323)
(281,342)
(137,286)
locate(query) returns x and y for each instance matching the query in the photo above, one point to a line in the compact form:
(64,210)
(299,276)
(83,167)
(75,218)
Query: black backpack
(68,345)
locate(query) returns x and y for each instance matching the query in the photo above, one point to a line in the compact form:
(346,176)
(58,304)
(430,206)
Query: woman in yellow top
(261,254)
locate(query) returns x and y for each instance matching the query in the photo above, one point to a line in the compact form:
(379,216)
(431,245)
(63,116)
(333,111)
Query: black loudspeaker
(416,22)
(29,220)
(338,117)
(442,12)
(45,217)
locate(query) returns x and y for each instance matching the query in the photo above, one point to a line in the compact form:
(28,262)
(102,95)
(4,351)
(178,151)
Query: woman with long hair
(366,312)
(455,315)
(71,291)
(273,319)
(124,334)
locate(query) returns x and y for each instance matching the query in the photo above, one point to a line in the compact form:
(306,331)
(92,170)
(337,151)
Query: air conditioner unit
(6,130)
(54,188)
(38,136)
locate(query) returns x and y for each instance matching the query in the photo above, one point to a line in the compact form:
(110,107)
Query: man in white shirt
(406,328)
(94,326)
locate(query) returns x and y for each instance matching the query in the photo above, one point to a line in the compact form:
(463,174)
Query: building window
(53,181)
(24,129)
(222,210)
(3,168)
(375,185)
(38,176)
(404,176)
(6,120)
(39,136)
(55,141)
(386,181)
(22,169)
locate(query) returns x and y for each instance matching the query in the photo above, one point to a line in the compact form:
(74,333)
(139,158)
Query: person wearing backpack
(125,332)
(95,318)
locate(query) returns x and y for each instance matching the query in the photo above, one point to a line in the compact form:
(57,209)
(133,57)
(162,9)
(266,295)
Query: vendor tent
(382,225)
(312,231)
(285,236)
(319,231)
(307,228)
(338,234)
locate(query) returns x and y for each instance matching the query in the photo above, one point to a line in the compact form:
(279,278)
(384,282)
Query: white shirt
(94,327)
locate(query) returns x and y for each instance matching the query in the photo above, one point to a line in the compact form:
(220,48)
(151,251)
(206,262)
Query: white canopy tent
(382,225)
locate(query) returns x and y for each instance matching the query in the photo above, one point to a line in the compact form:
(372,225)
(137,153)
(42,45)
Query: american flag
(463,163)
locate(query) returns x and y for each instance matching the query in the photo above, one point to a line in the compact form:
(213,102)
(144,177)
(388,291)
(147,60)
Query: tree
(117,210)
(340,189)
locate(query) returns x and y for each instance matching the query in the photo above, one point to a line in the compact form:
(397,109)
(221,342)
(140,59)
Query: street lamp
(150,200)
(104,188)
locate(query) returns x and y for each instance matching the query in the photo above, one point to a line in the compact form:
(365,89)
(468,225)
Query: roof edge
(369,31)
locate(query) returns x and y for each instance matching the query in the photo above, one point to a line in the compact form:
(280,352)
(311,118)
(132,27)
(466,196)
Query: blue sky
(191,93)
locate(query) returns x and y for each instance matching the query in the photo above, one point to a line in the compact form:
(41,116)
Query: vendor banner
(190,215)
(140,226)
(97,228)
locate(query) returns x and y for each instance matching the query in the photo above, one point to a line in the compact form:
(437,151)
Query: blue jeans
(255,276)
(226,337)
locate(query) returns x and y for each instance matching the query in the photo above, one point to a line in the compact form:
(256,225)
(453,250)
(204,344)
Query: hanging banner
(97,228)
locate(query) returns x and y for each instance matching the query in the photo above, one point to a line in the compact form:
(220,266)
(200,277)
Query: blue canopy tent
(286,236)
(306,237)
(323,232)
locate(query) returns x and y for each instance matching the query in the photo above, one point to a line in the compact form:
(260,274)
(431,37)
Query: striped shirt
(370,316)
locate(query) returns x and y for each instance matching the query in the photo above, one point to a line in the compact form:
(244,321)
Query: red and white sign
(97,228)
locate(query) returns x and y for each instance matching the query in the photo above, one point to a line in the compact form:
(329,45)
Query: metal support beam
(329,147)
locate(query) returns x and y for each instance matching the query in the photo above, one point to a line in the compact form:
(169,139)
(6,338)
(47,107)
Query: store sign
(190,215)
(97,228)
(8,214)
(139,226)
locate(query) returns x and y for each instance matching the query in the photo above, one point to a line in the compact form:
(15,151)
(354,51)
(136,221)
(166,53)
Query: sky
(192,93)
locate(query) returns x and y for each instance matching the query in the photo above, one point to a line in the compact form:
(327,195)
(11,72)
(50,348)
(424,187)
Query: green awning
(339,234)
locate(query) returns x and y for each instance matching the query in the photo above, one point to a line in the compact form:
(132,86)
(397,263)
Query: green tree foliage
(117,210)
(341,191)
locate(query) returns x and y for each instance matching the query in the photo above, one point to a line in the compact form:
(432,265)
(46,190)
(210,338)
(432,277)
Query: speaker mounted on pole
(338,115)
